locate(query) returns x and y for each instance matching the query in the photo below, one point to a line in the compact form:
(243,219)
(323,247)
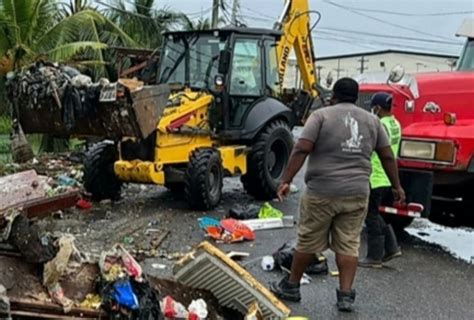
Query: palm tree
(30,29)
(142,21)
(199,24)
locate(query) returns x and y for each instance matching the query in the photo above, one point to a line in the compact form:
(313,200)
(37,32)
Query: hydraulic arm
(295,25)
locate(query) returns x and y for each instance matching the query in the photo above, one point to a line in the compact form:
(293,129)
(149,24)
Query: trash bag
(148,300)
(267,211)
(34,244)
(284,257)
(244,212)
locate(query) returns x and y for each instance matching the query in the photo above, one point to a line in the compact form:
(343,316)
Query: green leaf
(67,51)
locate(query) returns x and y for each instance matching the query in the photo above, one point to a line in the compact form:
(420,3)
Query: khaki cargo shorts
(334,223)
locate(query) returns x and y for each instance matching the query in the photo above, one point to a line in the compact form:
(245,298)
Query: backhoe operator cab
(238,66)
(224,117)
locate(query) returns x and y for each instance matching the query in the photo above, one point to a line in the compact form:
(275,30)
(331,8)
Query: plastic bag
(172,309)
(244,212)
(284,257)
(124,295)
(197,310)
(267,211)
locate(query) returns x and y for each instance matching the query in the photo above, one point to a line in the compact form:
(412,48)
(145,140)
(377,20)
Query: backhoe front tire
(99,176)
(267,160)
(203,179)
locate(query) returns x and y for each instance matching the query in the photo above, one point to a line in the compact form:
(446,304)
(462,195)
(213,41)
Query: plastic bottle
(268,263)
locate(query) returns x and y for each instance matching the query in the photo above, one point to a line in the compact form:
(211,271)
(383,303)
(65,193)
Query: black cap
(382,99)
(346,90)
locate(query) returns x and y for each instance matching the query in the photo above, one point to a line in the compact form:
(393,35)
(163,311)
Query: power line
(270,18)
(375,42)
(367,46)
(138,5)
(125,11)
(394,37)
(263,19)
(382,21)
(408,14)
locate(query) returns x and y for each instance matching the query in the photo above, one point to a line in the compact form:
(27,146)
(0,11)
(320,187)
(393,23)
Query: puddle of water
(457,241)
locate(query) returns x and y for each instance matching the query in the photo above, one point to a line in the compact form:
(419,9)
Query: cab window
(246,68)
(272,83)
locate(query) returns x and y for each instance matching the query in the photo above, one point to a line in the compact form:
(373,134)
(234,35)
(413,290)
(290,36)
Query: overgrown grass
(4,148)
(5,125)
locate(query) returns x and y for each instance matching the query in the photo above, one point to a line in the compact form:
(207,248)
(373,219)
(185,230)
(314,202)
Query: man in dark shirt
(339,141)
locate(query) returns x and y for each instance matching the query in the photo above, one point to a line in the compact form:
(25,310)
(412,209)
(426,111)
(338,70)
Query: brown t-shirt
(344,136)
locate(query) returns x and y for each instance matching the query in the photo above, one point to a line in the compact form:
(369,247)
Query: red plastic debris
(83,204)
(238,228)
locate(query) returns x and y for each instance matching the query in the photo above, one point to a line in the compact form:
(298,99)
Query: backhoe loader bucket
(126,108)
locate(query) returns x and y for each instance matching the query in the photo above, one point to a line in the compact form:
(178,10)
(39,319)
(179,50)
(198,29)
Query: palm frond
(67,29)
(67,51)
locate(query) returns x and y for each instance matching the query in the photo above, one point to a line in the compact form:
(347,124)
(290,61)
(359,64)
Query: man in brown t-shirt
(339,141)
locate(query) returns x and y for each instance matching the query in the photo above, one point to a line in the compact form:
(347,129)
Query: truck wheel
(398,223)
(203,179)
(267,160)
(99,176)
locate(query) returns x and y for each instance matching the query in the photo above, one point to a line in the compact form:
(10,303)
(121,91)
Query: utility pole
(319,71)
(362,61)
(338,69)
(215,13)
(235,7)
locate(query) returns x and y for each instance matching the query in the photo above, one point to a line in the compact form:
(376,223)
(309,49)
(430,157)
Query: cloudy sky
(349,26)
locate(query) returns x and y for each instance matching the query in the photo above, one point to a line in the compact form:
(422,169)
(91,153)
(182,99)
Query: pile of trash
(243,221)
(59,100)
(123,288)
(43,83)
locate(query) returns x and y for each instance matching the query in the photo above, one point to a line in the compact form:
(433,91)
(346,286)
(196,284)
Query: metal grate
(210,269)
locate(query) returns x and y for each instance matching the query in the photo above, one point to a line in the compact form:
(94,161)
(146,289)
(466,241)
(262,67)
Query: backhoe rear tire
(267,160)
(204,179)
(99,176)
(175,187)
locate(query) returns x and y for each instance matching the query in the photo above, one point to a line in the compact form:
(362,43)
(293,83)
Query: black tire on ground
(175,187)
(204,179)
(398,222)
(267,160)
(99,176)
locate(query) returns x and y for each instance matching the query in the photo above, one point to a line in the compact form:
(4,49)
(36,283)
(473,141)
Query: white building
(349,65)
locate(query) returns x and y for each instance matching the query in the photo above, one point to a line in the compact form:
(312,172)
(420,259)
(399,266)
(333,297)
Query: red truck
(436,157)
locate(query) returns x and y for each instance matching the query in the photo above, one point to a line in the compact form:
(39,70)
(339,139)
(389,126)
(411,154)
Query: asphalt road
(426,283)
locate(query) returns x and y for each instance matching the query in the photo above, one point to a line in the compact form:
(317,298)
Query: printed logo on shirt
(354,142)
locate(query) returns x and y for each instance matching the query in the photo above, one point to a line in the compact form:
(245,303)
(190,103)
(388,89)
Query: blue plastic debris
(124,295)
(206,222)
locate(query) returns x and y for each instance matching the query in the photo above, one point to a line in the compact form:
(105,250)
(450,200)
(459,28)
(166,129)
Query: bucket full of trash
(59,100)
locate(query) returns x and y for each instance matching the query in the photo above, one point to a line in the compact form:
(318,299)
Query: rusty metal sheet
(19,188)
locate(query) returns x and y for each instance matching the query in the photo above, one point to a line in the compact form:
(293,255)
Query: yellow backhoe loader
(224,117)
(226,114)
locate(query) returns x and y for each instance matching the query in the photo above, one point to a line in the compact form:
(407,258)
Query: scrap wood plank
(209,268)
(19,188)
(37,315)
(47,308)
(44,206)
